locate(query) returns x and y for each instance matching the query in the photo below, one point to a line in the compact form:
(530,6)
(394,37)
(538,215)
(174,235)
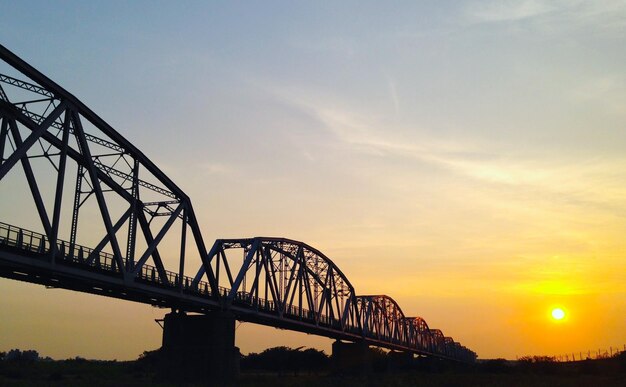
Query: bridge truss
(92,187)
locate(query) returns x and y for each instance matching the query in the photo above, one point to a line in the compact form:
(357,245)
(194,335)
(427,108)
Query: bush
(286,359)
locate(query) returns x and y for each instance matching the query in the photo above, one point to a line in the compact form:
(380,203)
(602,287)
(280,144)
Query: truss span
(293,277)
(112,223)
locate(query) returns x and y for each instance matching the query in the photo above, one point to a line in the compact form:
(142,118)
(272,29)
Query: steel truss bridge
(84,180)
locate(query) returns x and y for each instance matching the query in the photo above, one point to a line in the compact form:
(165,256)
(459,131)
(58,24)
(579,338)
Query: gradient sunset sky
(467,158)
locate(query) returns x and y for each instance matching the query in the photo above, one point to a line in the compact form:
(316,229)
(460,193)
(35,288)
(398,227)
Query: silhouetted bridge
(76,170)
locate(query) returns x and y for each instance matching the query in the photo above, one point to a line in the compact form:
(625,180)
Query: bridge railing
(104,262)
(39,244)
(34,242)
(23,239)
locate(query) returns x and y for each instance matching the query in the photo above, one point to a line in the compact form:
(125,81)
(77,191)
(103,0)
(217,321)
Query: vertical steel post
(132,223)
(58,197)
(4,132)
(76,206)
(183,241)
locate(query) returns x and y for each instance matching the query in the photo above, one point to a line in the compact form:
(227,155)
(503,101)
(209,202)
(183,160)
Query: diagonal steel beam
(202,251)
(257,273)
(296,287)
(3,95)
(324,298)
(14,113)
(4,132)
(267,250)
(95,183)
(215,249)
(267,263)
(152,246)
(306,282)
(152,249)
(242,272)
(120,222)
(345,314)
(38,131)
(306,266)
(229,274)
(292,276)
(32,182)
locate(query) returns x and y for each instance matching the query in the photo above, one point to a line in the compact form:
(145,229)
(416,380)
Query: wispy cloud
(590,182)
(603,14)
(609,90)
(363,132)
(394,94)
(497,11)
(217,168)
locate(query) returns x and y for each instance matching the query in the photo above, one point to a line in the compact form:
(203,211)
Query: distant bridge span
(109,221)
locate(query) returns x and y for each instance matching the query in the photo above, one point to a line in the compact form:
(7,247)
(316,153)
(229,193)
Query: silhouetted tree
(378,359)
(496,366)
(541,364)
(285,359)
(17,355)
(148,361)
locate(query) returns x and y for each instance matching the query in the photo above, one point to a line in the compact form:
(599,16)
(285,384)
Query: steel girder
(273,281)
(438,341)
(41,120)
(417,333)
(285,276)
(382,319)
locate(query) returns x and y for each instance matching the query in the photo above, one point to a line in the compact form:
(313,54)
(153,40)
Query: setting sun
(558,314)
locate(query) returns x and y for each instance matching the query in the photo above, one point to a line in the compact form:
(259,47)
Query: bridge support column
(351,358)
(199,347)
(398,361)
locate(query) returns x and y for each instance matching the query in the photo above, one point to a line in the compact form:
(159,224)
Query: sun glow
(558,314)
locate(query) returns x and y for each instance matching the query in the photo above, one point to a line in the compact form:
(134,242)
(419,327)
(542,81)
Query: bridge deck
(25,256)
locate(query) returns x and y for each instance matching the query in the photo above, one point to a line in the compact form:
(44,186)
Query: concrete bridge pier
(351,358)
(199,347)
(398,361)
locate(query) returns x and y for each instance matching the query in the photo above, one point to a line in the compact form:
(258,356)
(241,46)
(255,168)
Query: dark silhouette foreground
(284,366)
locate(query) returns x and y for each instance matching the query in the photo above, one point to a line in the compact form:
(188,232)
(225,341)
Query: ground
(97,373)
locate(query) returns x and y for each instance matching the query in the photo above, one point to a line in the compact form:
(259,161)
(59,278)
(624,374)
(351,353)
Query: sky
(463,157)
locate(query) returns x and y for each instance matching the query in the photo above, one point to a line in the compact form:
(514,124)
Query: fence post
(42,246)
